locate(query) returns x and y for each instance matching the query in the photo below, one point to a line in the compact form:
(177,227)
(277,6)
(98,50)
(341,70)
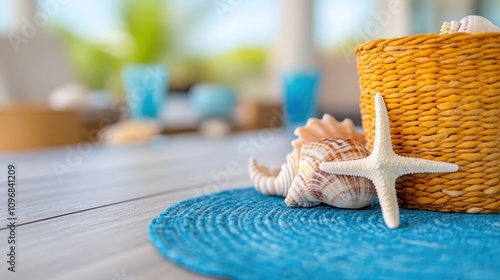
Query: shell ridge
(326,127)
(311,185)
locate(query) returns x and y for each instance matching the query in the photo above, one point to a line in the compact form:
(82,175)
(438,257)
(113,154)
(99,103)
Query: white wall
(32,63)
(32,73)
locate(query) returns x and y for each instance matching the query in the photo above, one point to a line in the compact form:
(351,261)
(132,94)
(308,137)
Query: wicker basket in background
(442,93)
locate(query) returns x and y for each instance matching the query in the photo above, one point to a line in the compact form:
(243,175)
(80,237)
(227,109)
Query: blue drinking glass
(213,101)
(300,100)
(146,88)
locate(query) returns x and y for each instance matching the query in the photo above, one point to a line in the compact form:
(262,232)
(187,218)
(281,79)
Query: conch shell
(327,127)
(302,182)
(469,24)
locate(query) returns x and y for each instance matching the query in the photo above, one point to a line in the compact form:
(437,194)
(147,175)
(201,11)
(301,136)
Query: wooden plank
(36,164)
(96,243)
(98,220)
(141,263)
(39,201)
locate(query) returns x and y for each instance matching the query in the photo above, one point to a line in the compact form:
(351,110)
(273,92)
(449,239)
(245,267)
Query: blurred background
(220,62)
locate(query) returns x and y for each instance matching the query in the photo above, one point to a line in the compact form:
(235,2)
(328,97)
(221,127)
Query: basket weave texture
(442,94)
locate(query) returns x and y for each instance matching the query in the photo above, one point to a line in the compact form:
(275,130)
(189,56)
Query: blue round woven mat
(245,235)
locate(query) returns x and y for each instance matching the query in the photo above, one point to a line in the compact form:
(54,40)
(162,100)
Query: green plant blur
(148,36)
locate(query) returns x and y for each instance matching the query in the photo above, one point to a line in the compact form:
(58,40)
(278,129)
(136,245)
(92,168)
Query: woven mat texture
(242,234)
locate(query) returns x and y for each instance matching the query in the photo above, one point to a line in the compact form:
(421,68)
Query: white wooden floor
(91,222)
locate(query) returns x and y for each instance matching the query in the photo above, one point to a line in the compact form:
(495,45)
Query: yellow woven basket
(443,97)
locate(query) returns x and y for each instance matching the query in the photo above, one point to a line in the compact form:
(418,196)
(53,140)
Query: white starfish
(383,166)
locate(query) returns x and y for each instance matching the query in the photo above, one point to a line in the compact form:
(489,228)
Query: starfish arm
(386,192)
(357,167)
(382,144)
(409,165)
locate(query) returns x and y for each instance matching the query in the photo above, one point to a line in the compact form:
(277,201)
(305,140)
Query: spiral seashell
(469,24)
(327,127)
(302,182)
(273,180)
(475,24)
(450,27)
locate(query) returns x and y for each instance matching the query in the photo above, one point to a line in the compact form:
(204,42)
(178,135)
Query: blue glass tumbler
(300,100)
(146,88)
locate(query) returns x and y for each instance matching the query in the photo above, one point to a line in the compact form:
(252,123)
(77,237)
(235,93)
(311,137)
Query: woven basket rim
(431,38)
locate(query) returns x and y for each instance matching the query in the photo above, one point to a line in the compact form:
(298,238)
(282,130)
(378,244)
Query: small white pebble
(215,128)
